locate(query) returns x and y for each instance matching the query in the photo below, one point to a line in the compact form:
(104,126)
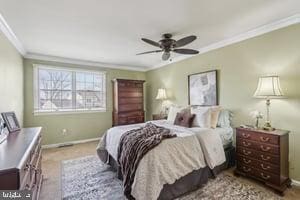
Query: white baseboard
(295,183)
(48,146)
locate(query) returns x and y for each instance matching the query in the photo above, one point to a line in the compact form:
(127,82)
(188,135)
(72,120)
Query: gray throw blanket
(134,144)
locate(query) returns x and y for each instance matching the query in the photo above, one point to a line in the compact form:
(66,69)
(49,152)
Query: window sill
(71,112)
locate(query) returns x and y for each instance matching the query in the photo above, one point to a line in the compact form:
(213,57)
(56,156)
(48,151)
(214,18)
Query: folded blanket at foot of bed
(134,144)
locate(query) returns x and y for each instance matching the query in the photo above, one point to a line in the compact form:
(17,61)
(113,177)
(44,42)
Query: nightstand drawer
(261,156)
(250,162)
(262,147)
(260,174)
(259,137)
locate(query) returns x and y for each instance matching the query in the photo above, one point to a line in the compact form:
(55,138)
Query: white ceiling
(109,31)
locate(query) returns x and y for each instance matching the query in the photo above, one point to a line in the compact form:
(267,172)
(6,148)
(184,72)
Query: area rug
(87,178)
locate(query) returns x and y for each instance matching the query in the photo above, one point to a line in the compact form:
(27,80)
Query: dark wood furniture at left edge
(20,161)
(263,155)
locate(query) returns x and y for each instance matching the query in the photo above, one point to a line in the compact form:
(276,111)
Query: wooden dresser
(20,161)
(263,155)
(128,100)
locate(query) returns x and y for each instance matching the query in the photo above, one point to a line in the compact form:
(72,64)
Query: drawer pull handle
(27,187)
(246,169)
(264,139)
(246,161)
(27,166)
(246,144)
(246,135)
(265,158)
(265,148)
(247,152)
(266,177)
(265,168)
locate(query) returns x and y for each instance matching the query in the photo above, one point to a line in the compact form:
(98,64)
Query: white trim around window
(61,90)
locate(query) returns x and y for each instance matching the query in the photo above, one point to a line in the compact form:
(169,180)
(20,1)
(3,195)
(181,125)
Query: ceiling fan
(168,45)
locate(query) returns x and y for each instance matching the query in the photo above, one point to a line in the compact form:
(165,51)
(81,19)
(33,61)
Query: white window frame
(37,111)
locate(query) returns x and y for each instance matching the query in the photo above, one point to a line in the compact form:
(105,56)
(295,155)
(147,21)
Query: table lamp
(161,95)
(268,88)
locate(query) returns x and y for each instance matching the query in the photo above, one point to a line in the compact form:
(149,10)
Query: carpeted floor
(90,179)
(51,165)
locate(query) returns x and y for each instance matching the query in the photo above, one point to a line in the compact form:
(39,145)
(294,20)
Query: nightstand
(263,155)
(159,116)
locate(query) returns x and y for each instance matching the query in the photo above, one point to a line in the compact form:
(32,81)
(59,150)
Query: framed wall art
(202,88)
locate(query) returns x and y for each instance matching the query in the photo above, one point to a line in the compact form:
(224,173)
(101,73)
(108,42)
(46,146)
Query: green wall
(239,67)
(79,126)
(11,79)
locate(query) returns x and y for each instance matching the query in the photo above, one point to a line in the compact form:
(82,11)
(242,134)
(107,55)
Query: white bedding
(192,149)
(113,137)
(226,134)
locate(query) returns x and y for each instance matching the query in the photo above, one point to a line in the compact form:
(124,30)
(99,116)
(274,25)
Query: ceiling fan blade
(185,41)
(166,55)
(156,51)
(186,51)
(151,42)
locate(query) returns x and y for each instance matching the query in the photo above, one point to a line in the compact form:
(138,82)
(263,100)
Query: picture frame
(203,88)
(11,121)
(3,130)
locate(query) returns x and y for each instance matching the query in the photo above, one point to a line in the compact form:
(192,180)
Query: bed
(165,174)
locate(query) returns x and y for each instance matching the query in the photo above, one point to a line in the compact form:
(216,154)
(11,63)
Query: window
(63,90)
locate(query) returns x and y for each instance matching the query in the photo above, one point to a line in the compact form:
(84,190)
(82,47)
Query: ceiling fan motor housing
(167,35)
(167,44)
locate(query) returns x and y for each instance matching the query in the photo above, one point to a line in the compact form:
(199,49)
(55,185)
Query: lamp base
(267,126)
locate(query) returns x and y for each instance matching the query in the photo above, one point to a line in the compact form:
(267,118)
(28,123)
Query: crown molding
(7,31)
(42,57)
(294,19)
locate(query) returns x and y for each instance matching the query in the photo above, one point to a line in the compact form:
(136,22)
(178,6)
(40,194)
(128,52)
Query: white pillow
(202,117)
(173,110)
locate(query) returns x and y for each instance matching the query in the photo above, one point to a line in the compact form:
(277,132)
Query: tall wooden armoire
(128,100)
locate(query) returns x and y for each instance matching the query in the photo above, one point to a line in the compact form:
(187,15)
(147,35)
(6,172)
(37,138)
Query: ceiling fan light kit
(168,45)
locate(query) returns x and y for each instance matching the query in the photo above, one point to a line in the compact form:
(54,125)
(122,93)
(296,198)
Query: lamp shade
(268,87)
(161,94)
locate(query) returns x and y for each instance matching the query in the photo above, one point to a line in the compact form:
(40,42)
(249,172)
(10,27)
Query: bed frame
(191,181)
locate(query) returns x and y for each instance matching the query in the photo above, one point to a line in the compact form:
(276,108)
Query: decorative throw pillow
(214,111)
(184,119)
(202,117)
(224,120)
(173,112)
